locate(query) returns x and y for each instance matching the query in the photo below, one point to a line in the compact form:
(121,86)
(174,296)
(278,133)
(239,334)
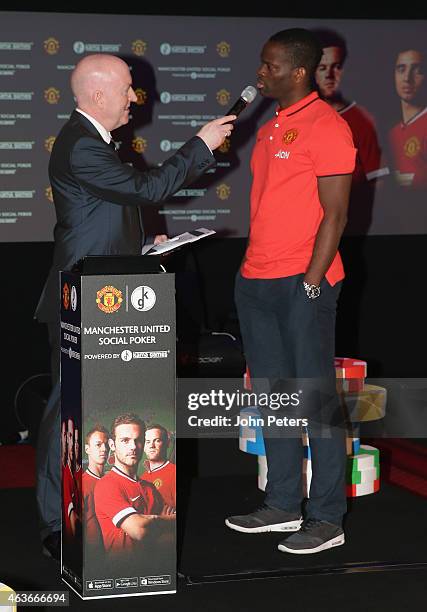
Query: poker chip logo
(66,296)
(109,299)
(412,147)
(290,135)
(73,298)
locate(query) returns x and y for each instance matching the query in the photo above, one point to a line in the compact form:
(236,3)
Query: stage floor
(383,531)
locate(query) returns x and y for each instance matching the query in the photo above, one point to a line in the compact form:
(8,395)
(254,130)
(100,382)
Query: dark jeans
(288,338)
(49,448)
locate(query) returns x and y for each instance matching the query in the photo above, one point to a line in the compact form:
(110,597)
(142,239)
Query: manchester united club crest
(157,483)
(225,147)
(223,191)
(52,95)
(141,96)
(139,144)
(66,296)
(48,143)
(223,49)
(109,299)
(51,45)
(223,97)
(139,47)
(412,147)
(290,135)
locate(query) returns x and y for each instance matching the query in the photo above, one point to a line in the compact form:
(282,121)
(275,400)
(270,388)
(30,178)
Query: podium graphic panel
(117,380)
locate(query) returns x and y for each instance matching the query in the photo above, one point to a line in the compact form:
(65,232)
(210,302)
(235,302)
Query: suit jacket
(97,198)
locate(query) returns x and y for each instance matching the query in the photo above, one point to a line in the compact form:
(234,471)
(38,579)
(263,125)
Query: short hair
(330,38)
(164,434)
(95,428)
(126,419)
(304,48)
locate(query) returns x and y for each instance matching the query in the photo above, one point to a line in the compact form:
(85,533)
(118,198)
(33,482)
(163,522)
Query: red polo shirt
(301,143)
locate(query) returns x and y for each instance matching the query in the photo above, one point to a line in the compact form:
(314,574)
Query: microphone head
(249,94)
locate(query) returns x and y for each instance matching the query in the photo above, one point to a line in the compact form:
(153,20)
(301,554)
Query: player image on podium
(408,138)
(370,164)
(96,448)
(71,516)
(137,527)
(158,468)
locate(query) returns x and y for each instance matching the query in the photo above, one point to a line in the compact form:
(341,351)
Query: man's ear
(98,98)
(111,445)
(300,74)
(87,449)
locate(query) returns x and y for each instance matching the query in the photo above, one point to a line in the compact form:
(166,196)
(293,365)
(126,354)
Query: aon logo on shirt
(283,154)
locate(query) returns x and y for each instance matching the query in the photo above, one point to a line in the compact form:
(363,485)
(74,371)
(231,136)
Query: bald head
(102,86)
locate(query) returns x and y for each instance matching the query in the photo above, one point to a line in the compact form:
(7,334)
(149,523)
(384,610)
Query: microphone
(247,96)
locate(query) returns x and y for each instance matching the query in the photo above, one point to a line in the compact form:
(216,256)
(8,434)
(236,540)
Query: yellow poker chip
(366,405)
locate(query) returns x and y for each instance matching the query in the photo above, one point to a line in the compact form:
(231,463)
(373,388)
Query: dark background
(381,314)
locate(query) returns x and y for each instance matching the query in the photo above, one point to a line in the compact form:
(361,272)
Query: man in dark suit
(97,200)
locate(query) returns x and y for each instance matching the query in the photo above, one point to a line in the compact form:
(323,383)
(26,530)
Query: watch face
(315,292)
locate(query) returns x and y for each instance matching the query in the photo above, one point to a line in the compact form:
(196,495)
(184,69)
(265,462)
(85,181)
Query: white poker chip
(365,488)
(369,475)
(262,472)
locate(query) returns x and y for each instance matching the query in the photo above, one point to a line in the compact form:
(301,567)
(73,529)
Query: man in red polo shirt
(133,518)
(288,285)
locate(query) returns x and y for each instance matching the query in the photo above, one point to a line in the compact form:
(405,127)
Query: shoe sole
(289,526)
(338,541)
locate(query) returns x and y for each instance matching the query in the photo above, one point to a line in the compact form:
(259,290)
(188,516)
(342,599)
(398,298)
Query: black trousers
(49,448)
(289,341)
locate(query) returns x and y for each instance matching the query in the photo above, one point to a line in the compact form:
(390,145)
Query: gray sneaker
(265,519)
(314,536)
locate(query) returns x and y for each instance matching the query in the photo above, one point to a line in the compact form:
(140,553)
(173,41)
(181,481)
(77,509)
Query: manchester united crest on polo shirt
(290,135)
(412,147)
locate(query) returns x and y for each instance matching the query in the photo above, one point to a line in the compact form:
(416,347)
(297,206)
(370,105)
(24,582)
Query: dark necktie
(112,144)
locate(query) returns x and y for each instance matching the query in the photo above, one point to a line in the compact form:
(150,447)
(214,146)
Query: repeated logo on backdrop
(223,191)
(52,95)
(48,193)
(139,144)
(223,97)
(51,46)
(139,47)
(223,49)
(48,143)
(141,96)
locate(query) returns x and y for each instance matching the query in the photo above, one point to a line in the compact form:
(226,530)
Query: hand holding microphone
(215,132)
(247,96)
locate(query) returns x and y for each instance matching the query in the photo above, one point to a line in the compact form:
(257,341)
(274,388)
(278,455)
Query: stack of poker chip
(367,405)
(7,598)
(363,472)
(251,439)
(262,472)
(350,373)
(306,464)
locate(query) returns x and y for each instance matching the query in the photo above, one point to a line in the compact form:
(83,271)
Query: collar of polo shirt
(294,108)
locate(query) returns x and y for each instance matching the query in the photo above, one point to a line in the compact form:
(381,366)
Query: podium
(118,343)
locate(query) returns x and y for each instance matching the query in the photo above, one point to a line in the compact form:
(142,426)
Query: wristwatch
(312,291)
